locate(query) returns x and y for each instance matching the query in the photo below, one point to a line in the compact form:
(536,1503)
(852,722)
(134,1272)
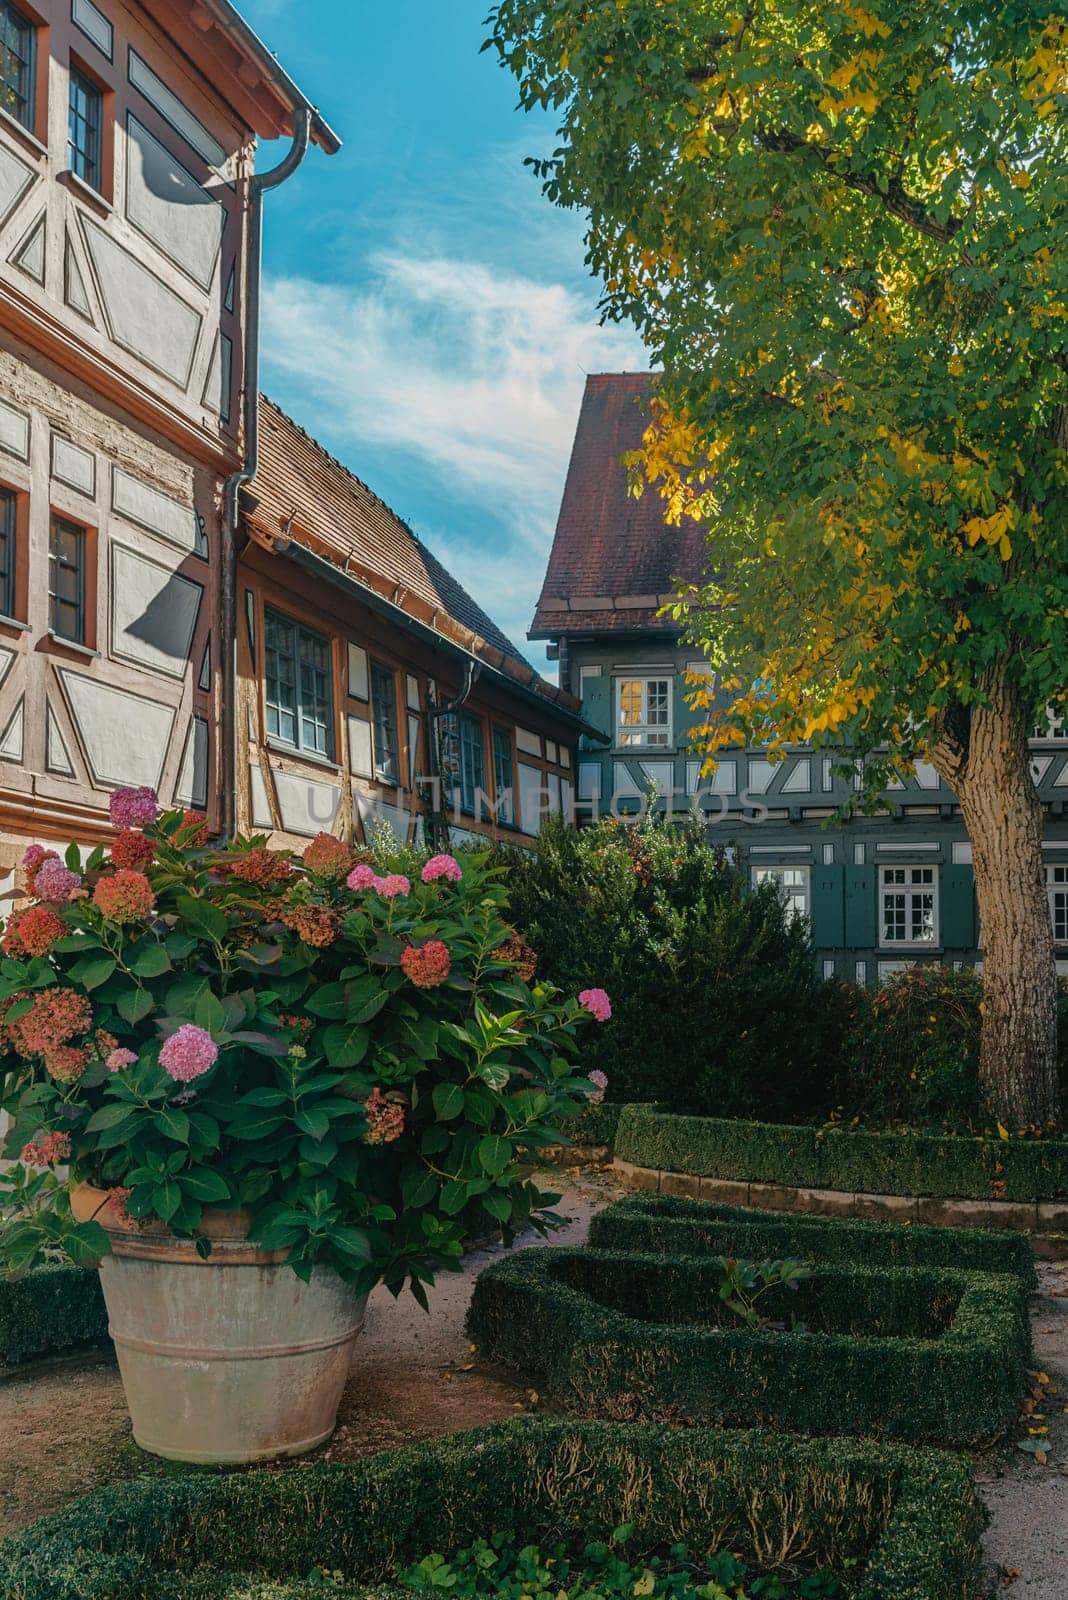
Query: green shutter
(685,716)
(596,708)
(828,907)
(958,907)
(860,909)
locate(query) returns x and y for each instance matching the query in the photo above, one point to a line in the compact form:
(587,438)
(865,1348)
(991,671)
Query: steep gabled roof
(301,495)
(614,559)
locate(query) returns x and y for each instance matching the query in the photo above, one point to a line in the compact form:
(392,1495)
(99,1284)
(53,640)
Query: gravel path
(1028,1534)
(63,1429)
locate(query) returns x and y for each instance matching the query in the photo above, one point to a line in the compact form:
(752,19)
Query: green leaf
(174,1124)
(203,918)
(204,1185)
(86,1244)
(111,1115)
(208,1013)
(151,962)
(134,1005)
(167,1199)
(448,1100)
(418,1188)
(497,1204)
(345,1045)
(93,971)
(454,1196)
(494,1154)
(313,1121)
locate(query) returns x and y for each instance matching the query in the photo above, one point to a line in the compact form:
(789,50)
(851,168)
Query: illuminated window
(643,714)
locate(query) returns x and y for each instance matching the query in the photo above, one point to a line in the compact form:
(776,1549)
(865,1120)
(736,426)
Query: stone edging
(1042,1221)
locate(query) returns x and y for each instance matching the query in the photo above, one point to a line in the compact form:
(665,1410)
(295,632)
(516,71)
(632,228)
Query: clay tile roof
(300,492)
(614,560)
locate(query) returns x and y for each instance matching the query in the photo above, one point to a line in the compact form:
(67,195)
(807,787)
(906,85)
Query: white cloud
(469,374)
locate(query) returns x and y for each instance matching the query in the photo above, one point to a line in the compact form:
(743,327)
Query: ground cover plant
(946,1166)
(348,1052)
(674,1225)
(901,1524)
(918,1353)
(604,1570)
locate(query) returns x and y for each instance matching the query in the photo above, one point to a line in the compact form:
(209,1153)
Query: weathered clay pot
(231,1359)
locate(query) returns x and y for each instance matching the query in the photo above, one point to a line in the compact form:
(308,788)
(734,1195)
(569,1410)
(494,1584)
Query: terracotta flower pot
(229,1359)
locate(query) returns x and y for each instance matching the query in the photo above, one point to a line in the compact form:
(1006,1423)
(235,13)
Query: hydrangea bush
(361,1057)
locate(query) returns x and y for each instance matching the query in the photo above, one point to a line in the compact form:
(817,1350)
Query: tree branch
(894,198)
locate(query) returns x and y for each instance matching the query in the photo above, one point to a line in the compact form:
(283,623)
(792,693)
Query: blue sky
(427,314)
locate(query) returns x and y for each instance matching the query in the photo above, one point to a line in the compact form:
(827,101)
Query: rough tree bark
(982,753)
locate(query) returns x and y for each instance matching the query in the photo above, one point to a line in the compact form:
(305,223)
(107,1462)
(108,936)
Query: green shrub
(50,1310)
(594,1125)
(908,1052)
(910,1518)
(943,1166)
(717,1004)
(916,1353)
(673,1225)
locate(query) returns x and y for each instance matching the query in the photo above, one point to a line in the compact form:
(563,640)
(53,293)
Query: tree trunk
(985,758)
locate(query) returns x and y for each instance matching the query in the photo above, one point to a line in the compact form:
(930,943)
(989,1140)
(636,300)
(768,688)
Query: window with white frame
(908,905)
(1055,725)
(792,883)
(1057,891)
(643,713)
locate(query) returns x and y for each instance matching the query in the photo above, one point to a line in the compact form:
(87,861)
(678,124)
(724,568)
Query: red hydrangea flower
(385,1116)
(328,857)
(55,1016)
(260,866)
(132,850)
(32,931)
(52,1149)
(316,925)
(66,1063)
(362,877)
(198,840)
(427,965)
(124,896)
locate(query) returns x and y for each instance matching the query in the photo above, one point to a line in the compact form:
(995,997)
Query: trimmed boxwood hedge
(943,1166)
(651,1223)
(910,1518)
(921,1354)
(49,1311)
(594,1125)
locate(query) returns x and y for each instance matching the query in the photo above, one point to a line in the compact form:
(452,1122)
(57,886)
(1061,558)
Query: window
(472,762)
(17,50)
(792,883)
(1057,890)
(84,128)
(503,776)
(384,717)
(9,510)
(66,579)
(1054,727)
(299,687)
(908,905)
(643,716)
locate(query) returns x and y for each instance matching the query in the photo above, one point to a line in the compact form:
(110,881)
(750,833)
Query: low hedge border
(678,1226)
(595,1125)
(49,1312)
(942,1166)
(911,1518)
(631,1337)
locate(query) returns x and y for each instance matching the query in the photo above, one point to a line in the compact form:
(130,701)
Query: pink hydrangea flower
(134,808)
(597,1003)
(392,885)
(55,882)
(189,1053)
(599,1080)
(442,867)
(362,877)
(118,1059)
